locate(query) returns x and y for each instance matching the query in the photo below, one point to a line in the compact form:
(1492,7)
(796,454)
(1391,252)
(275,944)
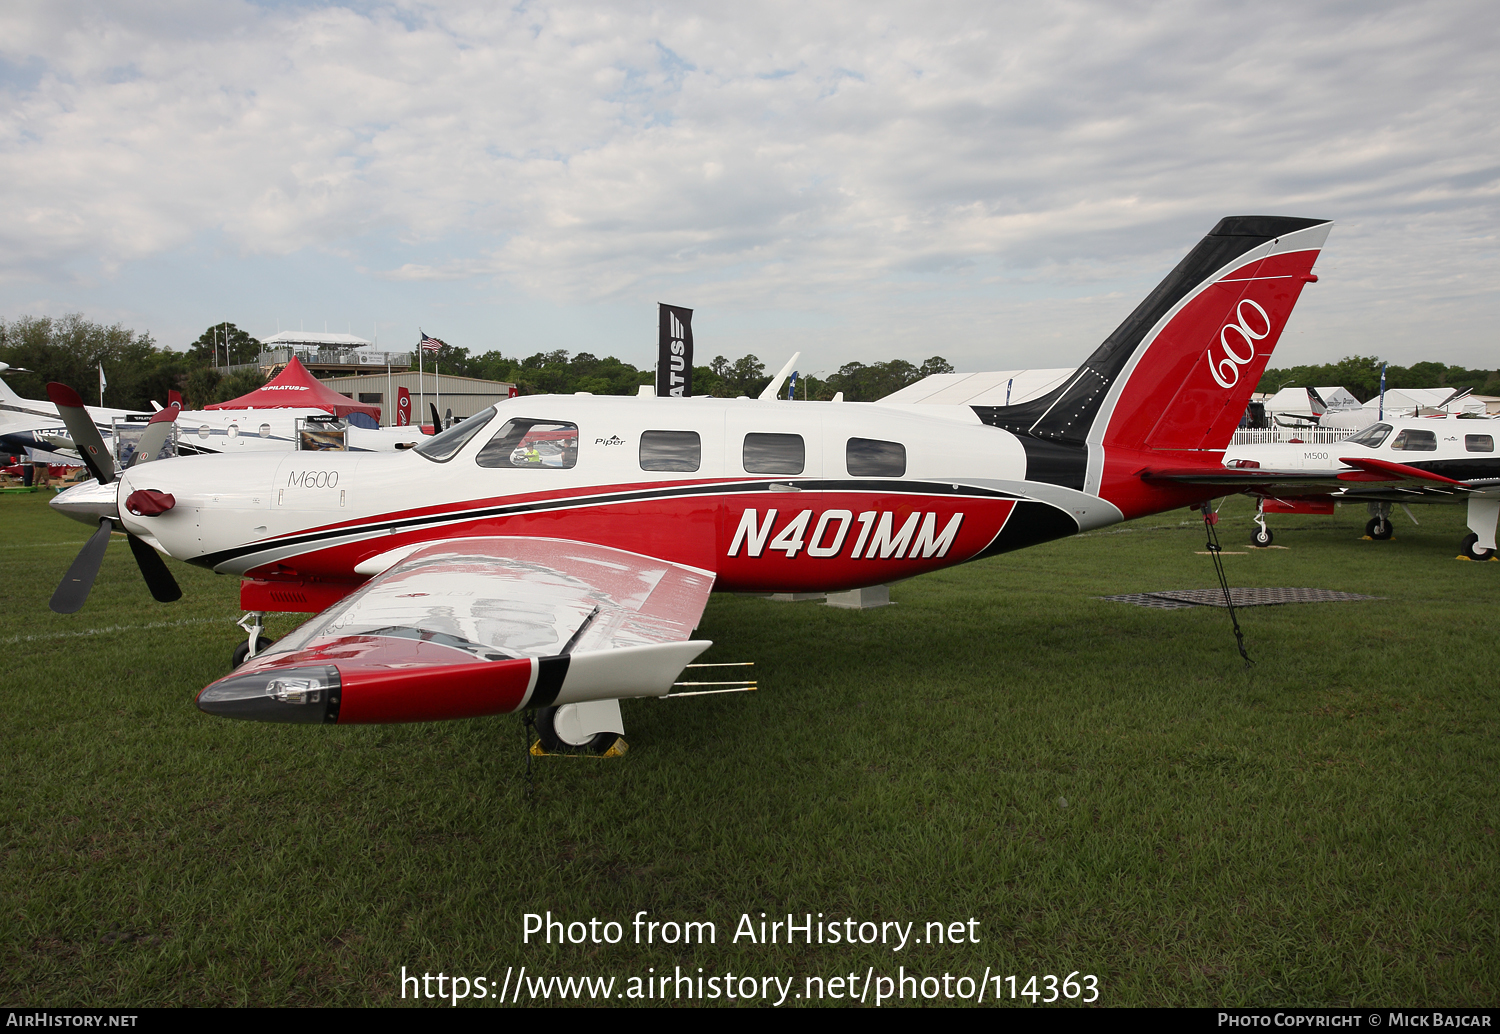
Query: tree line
(560,372)
(71,349)
(1360,375)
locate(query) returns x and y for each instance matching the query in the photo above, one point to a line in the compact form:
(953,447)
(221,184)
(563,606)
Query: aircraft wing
(1360,477)
(479,626)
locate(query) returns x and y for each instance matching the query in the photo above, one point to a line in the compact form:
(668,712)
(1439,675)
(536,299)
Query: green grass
(1318,830)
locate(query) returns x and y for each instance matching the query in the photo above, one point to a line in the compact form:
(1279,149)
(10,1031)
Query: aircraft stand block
(861,599)
(797,597)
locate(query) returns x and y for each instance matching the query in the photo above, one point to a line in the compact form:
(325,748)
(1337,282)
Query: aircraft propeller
(73,591)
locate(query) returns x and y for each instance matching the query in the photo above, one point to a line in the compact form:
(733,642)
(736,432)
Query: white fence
(1282,435)
(339,357)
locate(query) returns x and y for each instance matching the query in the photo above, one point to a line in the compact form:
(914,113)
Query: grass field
(1104,788)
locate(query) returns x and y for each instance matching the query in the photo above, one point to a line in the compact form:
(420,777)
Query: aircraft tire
(1469,548)
(552,743)
(1379,529)
(242,652)
(1262,537)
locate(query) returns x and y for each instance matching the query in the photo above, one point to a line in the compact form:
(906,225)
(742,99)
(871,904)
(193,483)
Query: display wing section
(479,626)
(1359,476)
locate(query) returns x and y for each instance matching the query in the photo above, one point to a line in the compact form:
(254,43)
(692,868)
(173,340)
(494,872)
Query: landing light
(307,696)
(296,691)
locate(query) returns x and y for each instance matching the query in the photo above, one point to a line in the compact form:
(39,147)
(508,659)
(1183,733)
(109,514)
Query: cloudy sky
(996,183)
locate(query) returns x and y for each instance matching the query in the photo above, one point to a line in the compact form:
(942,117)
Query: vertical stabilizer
(1177,375)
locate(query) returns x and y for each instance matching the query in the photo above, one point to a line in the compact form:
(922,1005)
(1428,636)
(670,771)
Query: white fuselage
(330,514)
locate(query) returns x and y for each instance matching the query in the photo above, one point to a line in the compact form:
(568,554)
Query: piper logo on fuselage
(312,479)
(612,440)
(878,535)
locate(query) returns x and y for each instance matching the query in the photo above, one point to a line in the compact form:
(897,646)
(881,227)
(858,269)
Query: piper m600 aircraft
(556,552)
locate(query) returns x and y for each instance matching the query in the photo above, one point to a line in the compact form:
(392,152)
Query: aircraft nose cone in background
(88,501)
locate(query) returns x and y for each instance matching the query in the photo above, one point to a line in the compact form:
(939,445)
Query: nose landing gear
(254,642)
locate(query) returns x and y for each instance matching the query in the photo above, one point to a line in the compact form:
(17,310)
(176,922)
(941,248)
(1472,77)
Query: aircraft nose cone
(89,501)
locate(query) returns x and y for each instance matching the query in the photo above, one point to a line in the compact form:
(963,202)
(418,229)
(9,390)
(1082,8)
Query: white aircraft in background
(34,423)
(1393,462)
(556,552)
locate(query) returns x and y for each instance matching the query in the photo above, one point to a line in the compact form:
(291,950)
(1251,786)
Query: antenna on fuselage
(780,379)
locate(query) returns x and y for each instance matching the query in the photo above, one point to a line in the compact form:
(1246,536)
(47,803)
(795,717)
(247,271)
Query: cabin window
(527,442)
(1415,441)
(774,454)
(869,458)
(671,450)
(265,430)
(1479,443)
(1371,437)
(441,448)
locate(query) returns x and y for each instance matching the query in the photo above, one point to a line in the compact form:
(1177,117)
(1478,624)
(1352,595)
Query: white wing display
(480,626)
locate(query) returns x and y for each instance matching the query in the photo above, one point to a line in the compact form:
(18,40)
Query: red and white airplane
(556,552)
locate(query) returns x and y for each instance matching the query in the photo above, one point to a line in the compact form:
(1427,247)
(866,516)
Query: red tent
(295,388)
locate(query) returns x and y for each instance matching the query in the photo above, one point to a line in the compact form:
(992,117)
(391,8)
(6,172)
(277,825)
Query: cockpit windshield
(443,447)
(1371,437)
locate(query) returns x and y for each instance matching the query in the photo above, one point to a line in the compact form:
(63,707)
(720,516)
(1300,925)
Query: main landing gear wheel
(1379,528)
(1471,551)
(1261,537)
(553,741)
(242,652)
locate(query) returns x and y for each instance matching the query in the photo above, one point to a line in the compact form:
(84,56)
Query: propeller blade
(85,435)
(158,430)
(437,421)
(74,590)
(159,580)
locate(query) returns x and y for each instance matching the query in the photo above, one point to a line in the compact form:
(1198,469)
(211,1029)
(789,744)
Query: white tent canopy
(307,339)
(978,389)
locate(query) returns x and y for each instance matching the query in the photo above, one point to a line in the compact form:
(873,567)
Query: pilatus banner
(674,357)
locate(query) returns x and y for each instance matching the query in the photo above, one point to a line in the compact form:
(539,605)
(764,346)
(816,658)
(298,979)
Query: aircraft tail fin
(1178,373)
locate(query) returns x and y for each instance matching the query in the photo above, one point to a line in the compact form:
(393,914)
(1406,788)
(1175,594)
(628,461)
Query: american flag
(430,344)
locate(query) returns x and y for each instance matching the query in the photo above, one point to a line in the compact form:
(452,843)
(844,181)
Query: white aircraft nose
(88,502)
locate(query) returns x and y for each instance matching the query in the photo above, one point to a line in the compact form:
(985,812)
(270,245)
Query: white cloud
(884,166)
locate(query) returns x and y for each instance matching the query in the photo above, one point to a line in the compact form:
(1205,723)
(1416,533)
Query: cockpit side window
(531,442)
(1371,437)
(1415,441)
(443,447)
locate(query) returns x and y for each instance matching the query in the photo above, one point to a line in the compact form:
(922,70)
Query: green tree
(224,344)
(862,383)
(70,349)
